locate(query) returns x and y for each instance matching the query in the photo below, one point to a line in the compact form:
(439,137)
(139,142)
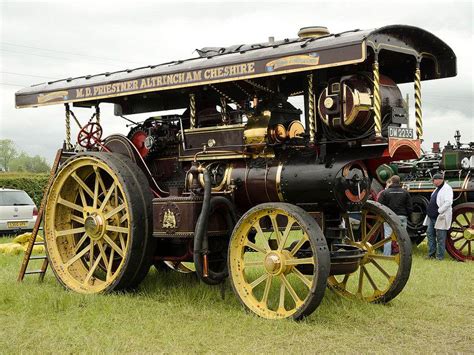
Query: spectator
(438,217)
(399,201)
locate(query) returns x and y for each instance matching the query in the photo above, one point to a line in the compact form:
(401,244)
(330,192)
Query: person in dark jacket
(399,201)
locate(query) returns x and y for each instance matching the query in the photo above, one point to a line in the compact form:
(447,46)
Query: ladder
(32,242)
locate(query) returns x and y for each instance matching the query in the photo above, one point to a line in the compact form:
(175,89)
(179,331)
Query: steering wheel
(89,135)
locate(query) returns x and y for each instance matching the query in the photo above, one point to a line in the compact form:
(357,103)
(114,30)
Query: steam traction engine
(241,183)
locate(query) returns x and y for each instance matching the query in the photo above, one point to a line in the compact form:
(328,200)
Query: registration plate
(16,224)
(398,132)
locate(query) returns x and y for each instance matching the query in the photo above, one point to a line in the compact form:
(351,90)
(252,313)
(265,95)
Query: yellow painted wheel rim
(265,268)
(87,226)
(377,272)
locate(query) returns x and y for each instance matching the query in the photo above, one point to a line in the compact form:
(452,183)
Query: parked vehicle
(17,211)
(456,163)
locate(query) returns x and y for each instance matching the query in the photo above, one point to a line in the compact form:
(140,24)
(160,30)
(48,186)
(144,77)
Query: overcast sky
(41,41)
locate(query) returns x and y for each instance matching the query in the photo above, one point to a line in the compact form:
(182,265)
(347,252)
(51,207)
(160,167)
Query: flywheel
(98,223)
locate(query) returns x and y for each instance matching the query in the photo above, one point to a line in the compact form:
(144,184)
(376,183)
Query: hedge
(33,184)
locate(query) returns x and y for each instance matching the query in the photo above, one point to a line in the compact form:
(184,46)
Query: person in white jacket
(438,217)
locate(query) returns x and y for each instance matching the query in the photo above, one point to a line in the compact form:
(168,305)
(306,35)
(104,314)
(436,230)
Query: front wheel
(278,261)
(379,278)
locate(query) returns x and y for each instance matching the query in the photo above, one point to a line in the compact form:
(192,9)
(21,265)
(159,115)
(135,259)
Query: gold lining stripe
(353,61)
(278,182)
(234,127)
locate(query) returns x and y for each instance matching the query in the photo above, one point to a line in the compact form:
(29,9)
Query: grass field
(174,313)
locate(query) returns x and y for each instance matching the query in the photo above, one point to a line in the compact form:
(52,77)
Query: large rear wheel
(98,224)
(379,278)
(278,261)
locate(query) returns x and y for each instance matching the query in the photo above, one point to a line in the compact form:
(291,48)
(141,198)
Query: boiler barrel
(343,184)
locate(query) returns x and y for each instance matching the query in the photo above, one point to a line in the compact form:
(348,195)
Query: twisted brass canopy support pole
(418,112)
(377,101)
(311,116)
(97,113)
(68,127)
(224,110)
(192,111)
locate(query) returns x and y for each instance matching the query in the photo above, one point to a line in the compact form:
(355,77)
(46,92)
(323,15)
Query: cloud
(117,35)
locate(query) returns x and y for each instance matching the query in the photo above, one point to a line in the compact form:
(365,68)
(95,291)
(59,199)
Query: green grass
(173,312)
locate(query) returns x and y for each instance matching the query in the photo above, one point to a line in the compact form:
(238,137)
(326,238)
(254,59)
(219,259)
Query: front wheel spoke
(249,264)
(70,205)
(281,303)
(92,269)
(255,247)
(76,257)
(296,261)
(381,269)
(276,230)
(371,281)
(303,278)
(348,226)
(116,229)
(261,234)
(372,230)
(70,231)
(361,282)
(113,245)
(286,233)
(344,280)
(290,289)
(382,242)
(384,257)
(298,245)
(114,211)
(266,291)
(457,239)
(258,281)
(456,229)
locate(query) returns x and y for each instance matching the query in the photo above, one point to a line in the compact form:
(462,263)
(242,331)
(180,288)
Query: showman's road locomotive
(241,183)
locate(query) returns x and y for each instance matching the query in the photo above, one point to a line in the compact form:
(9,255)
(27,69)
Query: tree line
(13,160)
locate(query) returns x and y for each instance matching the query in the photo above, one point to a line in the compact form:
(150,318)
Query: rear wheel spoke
(113,245)
(70,231)
(70,205)
(92,269)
